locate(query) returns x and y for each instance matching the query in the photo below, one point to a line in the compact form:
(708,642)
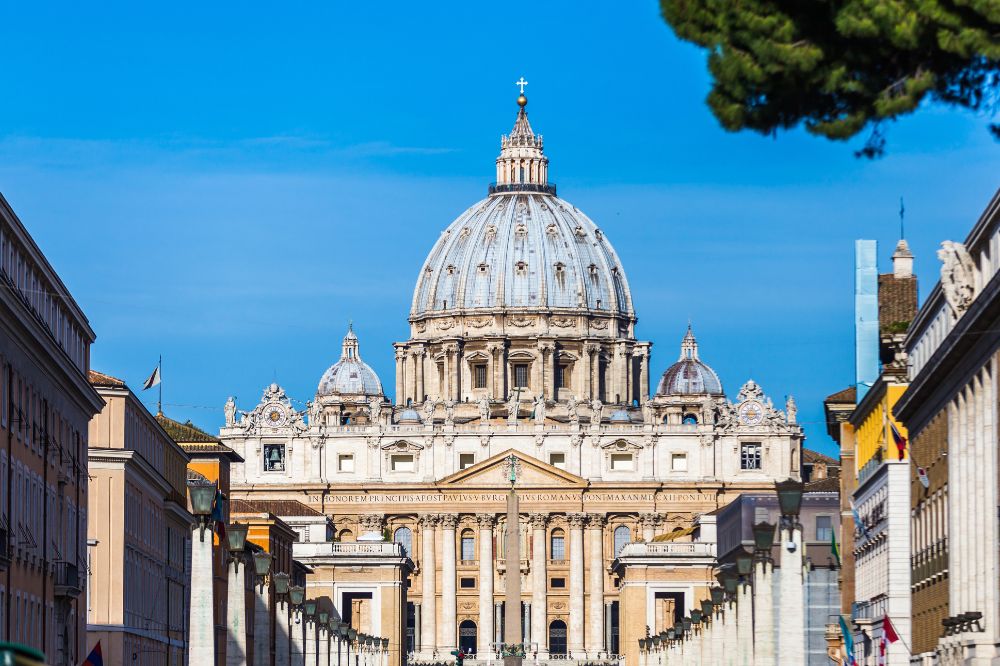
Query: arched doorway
(467,637)
(557,637)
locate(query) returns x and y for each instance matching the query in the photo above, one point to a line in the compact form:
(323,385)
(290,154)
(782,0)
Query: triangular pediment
(492,473)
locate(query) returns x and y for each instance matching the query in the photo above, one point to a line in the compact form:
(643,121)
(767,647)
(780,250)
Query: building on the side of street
(837,409)
(819,516)
(139,531)
(210,460)
(276,537)
(950,410)
(46,404)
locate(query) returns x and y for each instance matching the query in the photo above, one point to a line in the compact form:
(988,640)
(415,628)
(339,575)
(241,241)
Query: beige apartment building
(139,533)
(45,405)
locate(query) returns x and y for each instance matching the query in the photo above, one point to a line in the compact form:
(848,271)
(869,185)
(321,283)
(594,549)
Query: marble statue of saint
(540,410)
(484,408)
(957,276)
(513,404)
(314,409)
(597,411)
(791,409)
(571,409)
(230,411)
(374,409)
(449,412)
(429,407)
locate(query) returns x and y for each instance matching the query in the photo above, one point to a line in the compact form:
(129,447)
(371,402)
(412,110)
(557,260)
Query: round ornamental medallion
(751,413)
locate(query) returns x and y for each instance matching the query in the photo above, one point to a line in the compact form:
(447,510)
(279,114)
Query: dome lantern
(522,165)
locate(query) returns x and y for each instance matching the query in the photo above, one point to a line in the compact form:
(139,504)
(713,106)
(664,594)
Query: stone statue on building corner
(449,412)
(374,409)
(540,410)
(484,408)
(791,409)
(314,409)
(230,412)
(596,412)
(957,276)
(571,410)
(429,407)
(513,405)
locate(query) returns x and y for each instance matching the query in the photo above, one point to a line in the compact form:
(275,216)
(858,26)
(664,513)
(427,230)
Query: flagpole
(159,400)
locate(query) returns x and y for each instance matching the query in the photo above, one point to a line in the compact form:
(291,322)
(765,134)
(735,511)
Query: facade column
(763,608)
(644,375)
(428,602)
(539,582)
(744,625)
(262,624)
(282,633)
(574,645)
(486,568)
(595,583)
(791,590)
(400,376)
(449,601)
(418,374)
(324,646)
(201,623)
(236,613)
(547,371)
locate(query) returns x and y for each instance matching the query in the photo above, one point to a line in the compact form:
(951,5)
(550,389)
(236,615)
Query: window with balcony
(750,455)
(557,545)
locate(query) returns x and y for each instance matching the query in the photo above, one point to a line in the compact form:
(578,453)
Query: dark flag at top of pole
(154,380)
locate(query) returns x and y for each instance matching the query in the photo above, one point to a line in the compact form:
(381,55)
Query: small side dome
(689,376)
(620,416)
(350,375)
(409,416)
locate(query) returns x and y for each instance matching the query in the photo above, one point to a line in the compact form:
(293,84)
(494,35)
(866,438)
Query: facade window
(404,537)
(679,462)
(690,419)
(558,460)
(345,462)
(622,536)
(468,545)
(562,376)
(557,582)
(479,376)
(401,462)
(750,455)
(622,462)
(274,457)
(557,545)
(521,375)
(824,528)
(467,583)
(466,460)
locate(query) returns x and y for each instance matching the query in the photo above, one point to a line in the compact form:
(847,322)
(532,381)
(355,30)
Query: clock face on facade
(751,412)
(274,415)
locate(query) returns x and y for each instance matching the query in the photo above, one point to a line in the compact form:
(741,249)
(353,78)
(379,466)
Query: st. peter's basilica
(522,341)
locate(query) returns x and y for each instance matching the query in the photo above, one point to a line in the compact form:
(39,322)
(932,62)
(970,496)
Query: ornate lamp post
(261,609)
(201,623)
(296,595)
(236,607)
(791,585)
(282,621)
(763,595)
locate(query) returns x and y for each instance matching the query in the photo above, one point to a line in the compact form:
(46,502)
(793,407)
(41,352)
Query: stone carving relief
(479,322)
(563,322)
(520,321)
(957,277)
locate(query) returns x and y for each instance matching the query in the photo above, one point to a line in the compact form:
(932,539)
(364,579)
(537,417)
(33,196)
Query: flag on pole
(219,515)
(857,521)
(833,547)
(888,630)
(899,439)
(922,476)
(153,380)
(94,658)
(848,642)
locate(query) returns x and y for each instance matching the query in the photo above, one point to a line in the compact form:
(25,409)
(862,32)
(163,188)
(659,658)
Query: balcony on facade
(66,580)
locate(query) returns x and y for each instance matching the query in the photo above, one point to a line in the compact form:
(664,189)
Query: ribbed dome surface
(689,376)
(350,375)
(522,250)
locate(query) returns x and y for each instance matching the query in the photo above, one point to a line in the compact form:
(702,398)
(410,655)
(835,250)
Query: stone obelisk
(512,553)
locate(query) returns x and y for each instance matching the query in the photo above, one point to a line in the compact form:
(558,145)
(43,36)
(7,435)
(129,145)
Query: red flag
(888,630)
(900,442)
(94,658)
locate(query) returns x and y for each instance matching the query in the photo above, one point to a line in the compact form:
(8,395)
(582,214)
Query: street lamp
(718,595)
(744,563)
(202,498)
(707,607)
(262,565)
(324,617)
(789,499)
(280,583)
(763,539)
(296,593)
(236,541)
(309,606)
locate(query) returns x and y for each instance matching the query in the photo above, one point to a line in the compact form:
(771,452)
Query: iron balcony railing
(67,579)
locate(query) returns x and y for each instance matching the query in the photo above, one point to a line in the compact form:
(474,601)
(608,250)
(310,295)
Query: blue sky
(228,185)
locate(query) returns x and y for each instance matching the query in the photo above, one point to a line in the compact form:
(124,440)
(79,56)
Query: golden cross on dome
(521,83)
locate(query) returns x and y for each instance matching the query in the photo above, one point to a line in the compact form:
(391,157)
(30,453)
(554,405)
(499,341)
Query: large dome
(350,375)
(522,250)
(689,375)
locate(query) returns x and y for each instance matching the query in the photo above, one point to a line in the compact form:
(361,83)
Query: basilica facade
(521,343)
